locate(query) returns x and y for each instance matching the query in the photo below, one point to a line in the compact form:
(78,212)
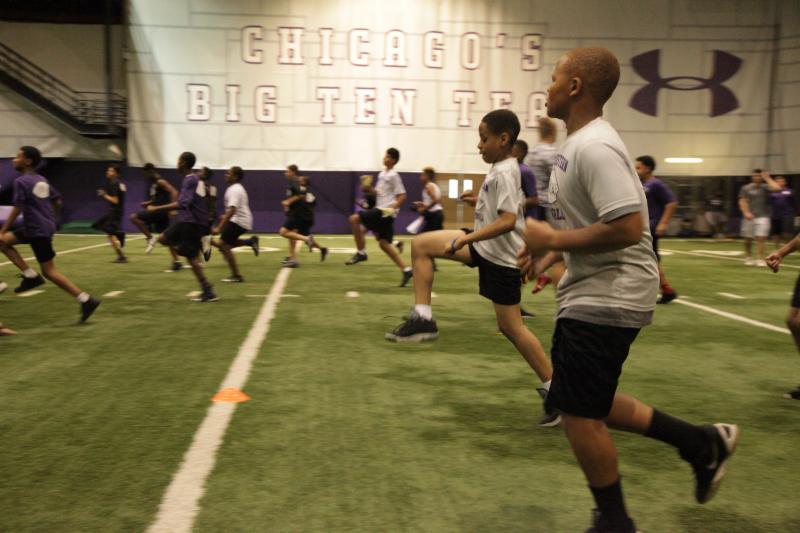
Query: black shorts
(587,362)
(299,224)
(655,244)
(500,284)
(781,226)
(231,233)
(42,246)
(109,224)
(434,220)
(186,238)
(380,226)
(796,295)
(157,221)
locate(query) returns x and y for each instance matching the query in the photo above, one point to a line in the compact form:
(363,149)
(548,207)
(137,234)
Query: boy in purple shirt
(35,198)
(661,204)
(528,181)
(191,222)
(783,211)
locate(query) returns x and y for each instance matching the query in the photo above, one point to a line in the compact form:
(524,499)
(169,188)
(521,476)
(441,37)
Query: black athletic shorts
(157,221)
(380,226)
(434,220)
(796,295)
(781,226)
(109,224)
(655,244)
(299,224)
(186,238)
(587,362)
(500,284)
(42,246)
(231,233)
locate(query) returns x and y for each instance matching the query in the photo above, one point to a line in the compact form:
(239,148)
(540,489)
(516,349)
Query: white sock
(83,297)
(546,384)
(407,269)
(363,251)
(424,311)
(29,273)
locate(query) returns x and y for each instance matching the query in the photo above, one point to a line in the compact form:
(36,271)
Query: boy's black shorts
(157,221)
(796,295)
(434,220)
(655,244)
(500,284)
(299,224)
(380,226)
(231,233)
(42,246)
(109,224)
(587,362)
(186,238)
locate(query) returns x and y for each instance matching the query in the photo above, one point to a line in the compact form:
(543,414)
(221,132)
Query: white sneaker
(151,243)
(760,263)
(749,262)
(3,286)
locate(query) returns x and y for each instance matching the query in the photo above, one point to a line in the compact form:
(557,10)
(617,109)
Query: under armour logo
(647,65)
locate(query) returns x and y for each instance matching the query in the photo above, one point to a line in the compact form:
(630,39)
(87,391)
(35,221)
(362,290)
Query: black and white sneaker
(87,308)
(601,525)
(254,245)
(205,244)
(177,266)
(291,263)
(525,313)
(407,275)
(207,295)
(29,283)
(551,417)
(667,297)
(233,279)
(323,253)
(414,329)
(793,394)
(708,473)
(356,258)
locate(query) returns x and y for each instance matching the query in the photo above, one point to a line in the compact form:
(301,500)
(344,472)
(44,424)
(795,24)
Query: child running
(236,220)
(299,217)
(111,222)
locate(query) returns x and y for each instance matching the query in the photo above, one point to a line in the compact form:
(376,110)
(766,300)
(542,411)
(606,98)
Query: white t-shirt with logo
(593,179)
(501,191)
(236,196)
(389,185)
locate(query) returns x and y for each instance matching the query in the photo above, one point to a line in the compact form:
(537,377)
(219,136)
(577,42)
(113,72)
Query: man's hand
(526,264)
(749,215)
(215,230)
(469,197)
(101,192)
(453,246)
(661,229)
(538,237)
(774,261)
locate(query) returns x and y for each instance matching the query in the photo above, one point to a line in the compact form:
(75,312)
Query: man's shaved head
(597,68)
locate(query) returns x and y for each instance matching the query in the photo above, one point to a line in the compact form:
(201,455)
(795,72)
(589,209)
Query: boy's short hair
(428,171)
(206,173)
(238,172)
(188,159)
(502,121)
(149,166)
(394,153)
(757,171)
(117,168)
(647,161)
(522,145)
(33,154)
(547,127)
(294,169)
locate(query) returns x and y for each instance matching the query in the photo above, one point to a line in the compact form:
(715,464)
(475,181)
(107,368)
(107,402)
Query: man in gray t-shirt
(756,212)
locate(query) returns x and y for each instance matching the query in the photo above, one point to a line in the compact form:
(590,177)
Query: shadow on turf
(721,521)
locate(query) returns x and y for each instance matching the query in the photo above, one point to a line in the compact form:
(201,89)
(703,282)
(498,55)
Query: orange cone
(231,395)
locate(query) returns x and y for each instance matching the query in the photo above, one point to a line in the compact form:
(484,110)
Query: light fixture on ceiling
(684,160)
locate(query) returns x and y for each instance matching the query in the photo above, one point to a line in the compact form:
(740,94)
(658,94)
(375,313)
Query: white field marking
(193,294)
(434,295)
(28,294)
(290,296)
(73,250)
(113,294)
(723,253)
(182,267)
(665,252)
(732,316)
(731,296)
(714,256)
(348,251)
(180,504)
(352,294)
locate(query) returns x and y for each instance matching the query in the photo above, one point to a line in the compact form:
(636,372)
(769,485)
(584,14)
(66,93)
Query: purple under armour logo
(647,65)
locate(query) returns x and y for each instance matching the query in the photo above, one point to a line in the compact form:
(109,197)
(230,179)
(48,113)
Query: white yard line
(180,504)
(28,294)
(352,294)
(732,316)
(113,294)
(731,296)
(737,259)
(73,250)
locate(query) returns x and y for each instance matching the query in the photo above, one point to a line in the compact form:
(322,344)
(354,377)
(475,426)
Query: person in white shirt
(607,294)
(236,220)
(390,195)
(430,207)
(491,248)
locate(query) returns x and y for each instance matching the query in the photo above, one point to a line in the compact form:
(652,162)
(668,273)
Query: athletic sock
(83,297)
(205,285)
(362,251)
(424,311)
(546,384)
(29,273)
(407,269)
(611,504)
(690,440)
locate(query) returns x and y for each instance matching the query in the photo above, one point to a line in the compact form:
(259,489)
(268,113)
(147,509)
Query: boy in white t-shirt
(236,220)
(491,247)
(607,294)
(390,195)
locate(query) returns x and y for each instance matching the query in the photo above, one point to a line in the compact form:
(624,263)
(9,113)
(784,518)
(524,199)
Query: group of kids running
(594,234)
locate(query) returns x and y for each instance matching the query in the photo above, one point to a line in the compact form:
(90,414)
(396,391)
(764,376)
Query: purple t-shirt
(528,187)
(34,195)
(192,203)
(658,196)
(782,204)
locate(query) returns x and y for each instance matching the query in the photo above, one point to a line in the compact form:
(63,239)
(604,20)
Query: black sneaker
(323,253)
(708,474)
(291,263)
(29,283)
(122,259)
(414,329)
(254,245)
(551,417)
(793,394)
(407,275)
(177,266)
(357,258)
(207,295)
(233,279)
(121,238)
(525,313)
(601,525)
(87,308)
(667,297)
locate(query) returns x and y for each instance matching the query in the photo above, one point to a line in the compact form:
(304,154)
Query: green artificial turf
(348,432)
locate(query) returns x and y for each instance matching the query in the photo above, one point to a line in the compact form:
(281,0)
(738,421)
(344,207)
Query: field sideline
(347,432)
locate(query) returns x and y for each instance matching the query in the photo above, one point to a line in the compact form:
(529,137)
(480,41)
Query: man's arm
(15,211)
(744,205)
(398,201)
(669,209)
(775,258)
(772,185)
(229,212)
(167,186)
(531,201)
(502,224)
(600,237)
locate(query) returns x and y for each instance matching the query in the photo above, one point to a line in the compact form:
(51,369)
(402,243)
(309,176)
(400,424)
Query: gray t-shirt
(540,160)
(593,180)
(501,191)
(757,195)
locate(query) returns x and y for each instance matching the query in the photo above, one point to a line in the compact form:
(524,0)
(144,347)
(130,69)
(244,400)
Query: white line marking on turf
(113,294)
(715,256)
(192,294)
(73,250)
(28,294)
(179,506)
(732,316)
(434,295)
(731,296)
(352,294)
